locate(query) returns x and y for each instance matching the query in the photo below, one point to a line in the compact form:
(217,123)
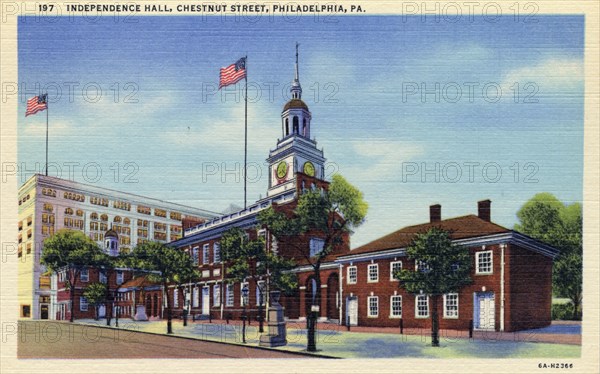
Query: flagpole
(47,109)
(245,127)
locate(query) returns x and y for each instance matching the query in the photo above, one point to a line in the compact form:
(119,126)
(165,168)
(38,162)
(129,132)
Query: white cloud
(552,76)
(384,157)
(56,128)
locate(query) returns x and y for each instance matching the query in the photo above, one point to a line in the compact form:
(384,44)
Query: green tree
(165,265)
(329,215)
(546,218)
(95,293)
(250,259)
(442,267)
(72,252)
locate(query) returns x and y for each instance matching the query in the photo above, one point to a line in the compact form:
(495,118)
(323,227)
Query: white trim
(445,306)
(392,306)
(479,253)
(511,237)
(392,279)
(369,315)
(502,248)
(348,281)
(417,306)
(369,280)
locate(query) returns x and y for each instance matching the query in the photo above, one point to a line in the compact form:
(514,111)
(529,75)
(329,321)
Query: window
(102,277)
(316,246)
(483,262)
(352,274)
(422,266)
(216,253)
(85,275)
(451,305)
(394,267)
(205,254)
(260,293)
(217,295)
(25,311)
(373,271)
(119,277)
(422,306)
(94,216)
(195,255)
(229,293)
(372,306)
(83,304)
(396,306)
(242,285)
(195,298)
(175,297)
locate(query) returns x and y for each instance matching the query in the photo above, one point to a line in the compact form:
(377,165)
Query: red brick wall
(385,288)
(530,294)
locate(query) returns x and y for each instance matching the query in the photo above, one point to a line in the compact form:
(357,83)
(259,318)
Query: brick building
(511,278)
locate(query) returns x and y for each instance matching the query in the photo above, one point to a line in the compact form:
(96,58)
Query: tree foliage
(251,259)
(71,251)
(95,294)
(165,265)
(328,215)
(546,218)
(442,267)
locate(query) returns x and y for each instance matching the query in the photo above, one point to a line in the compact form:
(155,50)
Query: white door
(205,300)
(486,311)
(352,310)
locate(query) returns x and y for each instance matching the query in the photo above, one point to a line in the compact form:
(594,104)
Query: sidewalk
(335,341)
(560,332)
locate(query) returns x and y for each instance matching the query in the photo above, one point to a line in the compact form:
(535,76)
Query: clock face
(281,170)
(309,169)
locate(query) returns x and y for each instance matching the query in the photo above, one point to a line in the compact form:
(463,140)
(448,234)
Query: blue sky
(353,72)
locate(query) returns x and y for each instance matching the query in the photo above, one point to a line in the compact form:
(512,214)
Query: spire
(297,74)
(296,90)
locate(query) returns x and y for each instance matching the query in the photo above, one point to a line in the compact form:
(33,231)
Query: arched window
(126,221)
(295,124)
(117,219)
(304,126)
(104,217)
(79,213)
(287,126)
(69,211)
(94,216)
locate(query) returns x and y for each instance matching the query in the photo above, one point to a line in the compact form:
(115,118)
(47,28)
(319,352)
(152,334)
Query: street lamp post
(245,302)
(117,309)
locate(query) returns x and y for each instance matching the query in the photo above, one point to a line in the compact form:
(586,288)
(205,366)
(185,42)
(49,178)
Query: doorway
(484,312)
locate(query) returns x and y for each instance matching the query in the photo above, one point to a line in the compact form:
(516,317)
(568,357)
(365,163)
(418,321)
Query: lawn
(340,343)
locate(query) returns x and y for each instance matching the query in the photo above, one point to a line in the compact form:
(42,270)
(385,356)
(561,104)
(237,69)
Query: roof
(460,228)
(137,282)
(111,233)
(295,104)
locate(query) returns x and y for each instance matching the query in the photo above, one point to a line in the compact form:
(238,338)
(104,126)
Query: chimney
(435,213)
(484,210)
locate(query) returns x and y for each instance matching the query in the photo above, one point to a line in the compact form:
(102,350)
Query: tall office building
(47,204)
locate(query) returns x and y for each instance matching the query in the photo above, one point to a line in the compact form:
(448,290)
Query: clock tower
(296,152)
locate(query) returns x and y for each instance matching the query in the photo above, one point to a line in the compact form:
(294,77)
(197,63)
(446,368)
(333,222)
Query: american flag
(233,73)
(37,104)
